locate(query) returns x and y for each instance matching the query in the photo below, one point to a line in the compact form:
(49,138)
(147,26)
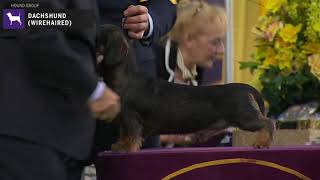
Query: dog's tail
(257,102)
(253,95)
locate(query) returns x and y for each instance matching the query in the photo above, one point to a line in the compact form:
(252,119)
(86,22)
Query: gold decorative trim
(236,161)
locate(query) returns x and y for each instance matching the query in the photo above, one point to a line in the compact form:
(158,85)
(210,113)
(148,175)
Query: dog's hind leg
(264,136)
(263,124)
(264,128)
(130,133)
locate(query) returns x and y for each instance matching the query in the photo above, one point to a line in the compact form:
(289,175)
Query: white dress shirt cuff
(98,92)
(150,27)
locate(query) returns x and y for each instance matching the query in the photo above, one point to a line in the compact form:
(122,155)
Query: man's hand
(107,106)
(136,21)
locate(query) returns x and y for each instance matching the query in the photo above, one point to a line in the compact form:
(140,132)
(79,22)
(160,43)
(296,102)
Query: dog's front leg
(130,133)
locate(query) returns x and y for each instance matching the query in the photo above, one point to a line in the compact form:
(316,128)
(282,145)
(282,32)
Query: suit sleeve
(163,13)
(63,60)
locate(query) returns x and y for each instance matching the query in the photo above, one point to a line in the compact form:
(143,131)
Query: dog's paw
(263,139)
(261,145)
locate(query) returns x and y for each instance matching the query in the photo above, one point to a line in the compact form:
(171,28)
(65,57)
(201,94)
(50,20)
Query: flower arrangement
(286,64)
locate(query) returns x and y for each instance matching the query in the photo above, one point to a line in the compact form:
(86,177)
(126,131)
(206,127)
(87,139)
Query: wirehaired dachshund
(153,106)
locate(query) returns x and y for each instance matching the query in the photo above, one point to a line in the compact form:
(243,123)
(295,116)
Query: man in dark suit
(145,21)
(48,93)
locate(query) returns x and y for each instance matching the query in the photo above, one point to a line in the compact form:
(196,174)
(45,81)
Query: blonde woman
(196,39)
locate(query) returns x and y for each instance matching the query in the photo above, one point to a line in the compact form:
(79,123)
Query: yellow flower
(289,33)
(311,48)
(314,63)
(284,58)
(274,5)
(284,65)
(280,44)
(270,59)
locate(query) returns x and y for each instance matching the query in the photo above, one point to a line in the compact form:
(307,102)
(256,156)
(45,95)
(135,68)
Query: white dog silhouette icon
(13,18)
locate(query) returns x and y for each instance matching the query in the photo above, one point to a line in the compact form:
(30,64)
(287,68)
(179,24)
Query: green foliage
(282,91)
(252,65)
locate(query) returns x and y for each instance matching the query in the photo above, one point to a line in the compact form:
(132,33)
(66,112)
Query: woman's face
(206,46)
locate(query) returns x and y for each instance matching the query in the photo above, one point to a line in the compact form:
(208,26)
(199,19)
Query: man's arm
(63,60)
(151,22)
(163,14)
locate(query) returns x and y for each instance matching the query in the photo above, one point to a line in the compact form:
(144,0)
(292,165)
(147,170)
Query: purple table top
(285,163)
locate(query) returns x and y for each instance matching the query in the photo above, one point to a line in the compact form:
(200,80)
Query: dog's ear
(113,45)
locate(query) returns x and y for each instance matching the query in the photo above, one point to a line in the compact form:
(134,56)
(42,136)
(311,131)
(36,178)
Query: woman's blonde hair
(195,15)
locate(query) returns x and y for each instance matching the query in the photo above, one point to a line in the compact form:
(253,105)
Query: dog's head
(114,54)
(113,46)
